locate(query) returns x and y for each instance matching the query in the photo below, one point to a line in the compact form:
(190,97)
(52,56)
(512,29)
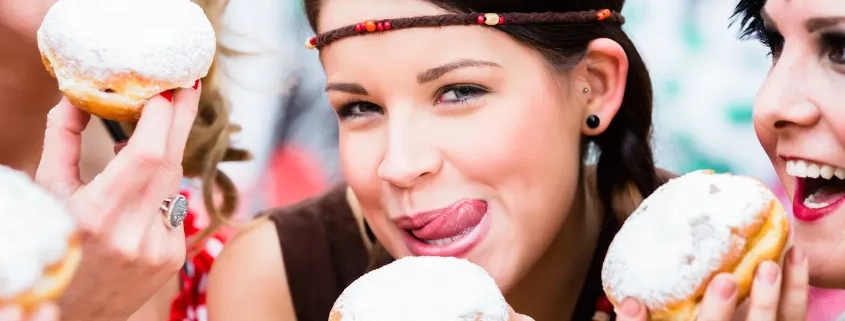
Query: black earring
(593,121)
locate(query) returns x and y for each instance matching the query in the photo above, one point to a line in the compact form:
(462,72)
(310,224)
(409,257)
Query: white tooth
(826,171)
(790,167)
(840,173)
(800,169)
(812,170)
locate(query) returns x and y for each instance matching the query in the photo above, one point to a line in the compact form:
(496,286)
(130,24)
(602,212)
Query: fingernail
(767,272)
(167,95)
(723,287)
(796,256)
(11,313)
(630,307)
(119,146)
(196,84)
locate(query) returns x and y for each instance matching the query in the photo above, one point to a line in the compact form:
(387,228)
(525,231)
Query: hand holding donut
(129,60)
(775,295)
(702,244)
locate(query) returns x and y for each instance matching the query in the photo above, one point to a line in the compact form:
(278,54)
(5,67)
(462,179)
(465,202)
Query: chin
(823,241)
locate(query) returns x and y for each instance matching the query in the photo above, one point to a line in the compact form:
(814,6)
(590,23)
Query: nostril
(780,124)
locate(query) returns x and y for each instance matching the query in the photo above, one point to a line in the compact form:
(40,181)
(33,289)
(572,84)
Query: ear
(606,68)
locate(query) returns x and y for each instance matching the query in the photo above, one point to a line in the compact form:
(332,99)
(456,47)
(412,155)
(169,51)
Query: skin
(804,119)
(396,165)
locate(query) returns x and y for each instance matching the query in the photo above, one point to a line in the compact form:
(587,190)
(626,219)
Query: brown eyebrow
(437,72)
(347,87)
(816,24)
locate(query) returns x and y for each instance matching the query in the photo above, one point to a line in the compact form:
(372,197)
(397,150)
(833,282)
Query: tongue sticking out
(821,193)
(460,217)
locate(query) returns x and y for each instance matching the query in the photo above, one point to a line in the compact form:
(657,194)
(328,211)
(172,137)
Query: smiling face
(800,121)
(458,141)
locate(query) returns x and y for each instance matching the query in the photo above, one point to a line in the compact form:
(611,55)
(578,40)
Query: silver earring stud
(586,90)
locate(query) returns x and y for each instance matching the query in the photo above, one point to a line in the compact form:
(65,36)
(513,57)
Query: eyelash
(471,92)
(832,42)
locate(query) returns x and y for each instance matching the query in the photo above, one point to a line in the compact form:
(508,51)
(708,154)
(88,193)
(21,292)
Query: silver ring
(175,209)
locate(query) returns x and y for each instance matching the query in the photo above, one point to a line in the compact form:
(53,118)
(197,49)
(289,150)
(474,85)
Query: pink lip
(446,223)
(807,214)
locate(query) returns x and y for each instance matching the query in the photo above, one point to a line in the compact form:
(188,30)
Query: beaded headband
(489,19)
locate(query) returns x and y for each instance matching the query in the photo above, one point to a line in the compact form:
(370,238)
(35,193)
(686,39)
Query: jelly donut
(688,231)
(39,246)
(110,57)
(423,289)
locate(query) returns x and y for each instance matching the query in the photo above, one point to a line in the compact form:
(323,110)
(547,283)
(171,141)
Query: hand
(774,295)
(47,312)
(128,251)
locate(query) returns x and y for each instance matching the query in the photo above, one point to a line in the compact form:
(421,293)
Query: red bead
(501,20)
(313,41)
(480,20)
(359,27)
(604,305)
(370,25)
(380,26)
(387,25)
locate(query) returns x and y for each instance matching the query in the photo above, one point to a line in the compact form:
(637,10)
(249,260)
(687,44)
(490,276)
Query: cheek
(360,155)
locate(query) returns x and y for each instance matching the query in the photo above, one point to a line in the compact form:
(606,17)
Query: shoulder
(248,279)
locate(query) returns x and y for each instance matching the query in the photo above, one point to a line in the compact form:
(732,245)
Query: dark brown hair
(625,159)
(208,142)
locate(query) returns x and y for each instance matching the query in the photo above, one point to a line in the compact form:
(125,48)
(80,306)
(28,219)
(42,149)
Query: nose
(785,101)
(410,156)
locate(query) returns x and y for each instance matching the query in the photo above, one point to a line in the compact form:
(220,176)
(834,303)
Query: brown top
(324,252)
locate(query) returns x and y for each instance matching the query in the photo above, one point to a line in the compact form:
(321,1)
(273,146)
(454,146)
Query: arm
(158,307)
(248,280)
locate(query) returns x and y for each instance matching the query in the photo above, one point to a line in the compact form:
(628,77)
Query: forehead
(798,10)
(340,13)
(399,53)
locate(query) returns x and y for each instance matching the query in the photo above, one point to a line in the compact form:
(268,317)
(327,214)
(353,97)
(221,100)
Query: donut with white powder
(423,289)
(39,246)
(688,231)
(110,57)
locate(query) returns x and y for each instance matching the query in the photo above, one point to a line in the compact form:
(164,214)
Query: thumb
(517,317)
(631,310)
(12,313)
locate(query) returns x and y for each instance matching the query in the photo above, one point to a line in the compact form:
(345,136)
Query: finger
(795,287)
(516,316)
(131,170)
(185,103)
(765,293)
(58,170)
(47,312)
(631,310)
(12,313)
(719,300)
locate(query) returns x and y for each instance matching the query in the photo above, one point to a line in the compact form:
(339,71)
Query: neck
(550,290)
(27,92)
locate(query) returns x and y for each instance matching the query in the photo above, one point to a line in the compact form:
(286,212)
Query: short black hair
(749,15)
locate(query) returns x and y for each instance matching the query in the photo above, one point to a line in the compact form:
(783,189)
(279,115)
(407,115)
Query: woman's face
(799,117)
(458,141)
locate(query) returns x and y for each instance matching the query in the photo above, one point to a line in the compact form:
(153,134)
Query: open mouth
(818,187)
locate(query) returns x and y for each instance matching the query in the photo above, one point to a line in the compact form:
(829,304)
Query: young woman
(801,124)
(114,209)
(484,121)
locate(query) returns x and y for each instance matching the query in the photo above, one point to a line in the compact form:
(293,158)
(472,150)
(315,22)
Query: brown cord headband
(489,19)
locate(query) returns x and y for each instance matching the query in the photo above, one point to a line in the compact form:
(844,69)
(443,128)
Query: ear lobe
(607,73)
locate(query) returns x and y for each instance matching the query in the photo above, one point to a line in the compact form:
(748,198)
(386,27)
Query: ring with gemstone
(175,210)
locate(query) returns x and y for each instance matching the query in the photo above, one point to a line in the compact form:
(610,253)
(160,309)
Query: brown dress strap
(323,251)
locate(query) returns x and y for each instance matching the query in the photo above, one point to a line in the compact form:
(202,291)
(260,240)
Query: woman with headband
(483,114)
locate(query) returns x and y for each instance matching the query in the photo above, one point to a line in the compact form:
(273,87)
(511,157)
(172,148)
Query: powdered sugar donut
(110,57)
(423,289)
(689,230)
(39,246)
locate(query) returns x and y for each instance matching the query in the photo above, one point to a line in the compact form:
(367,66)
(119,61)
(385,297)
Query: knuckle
(125,253)
(149,159)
